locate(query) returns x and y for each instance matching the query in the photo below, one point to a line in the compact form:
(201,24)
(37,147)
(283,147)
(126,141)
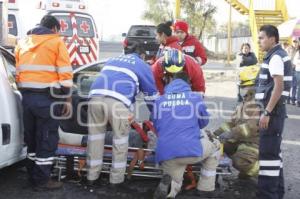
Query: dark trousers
(40,134)
(293,92)
(270,179)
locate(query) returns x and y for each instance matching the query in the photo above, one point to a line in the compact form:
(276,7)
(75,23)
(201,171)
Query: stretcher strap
(140,131)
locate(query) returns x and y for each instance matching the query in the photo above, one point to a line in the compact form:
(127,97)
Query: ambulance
(78,29)
(14,23)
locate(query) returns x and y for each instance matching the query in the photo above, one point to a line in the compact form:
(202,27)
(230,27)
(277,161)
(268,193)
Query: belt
(36,90)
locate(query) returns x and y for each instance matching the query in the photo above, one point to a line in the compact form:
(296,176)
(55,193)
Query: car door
(11,128)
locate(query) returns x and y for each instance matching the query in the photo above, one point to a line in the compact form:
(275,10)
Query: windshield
(83,79)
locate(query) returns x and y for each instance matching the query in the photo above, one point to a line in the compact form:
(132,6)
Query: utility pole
(3,22)
(229,38)
(177,9)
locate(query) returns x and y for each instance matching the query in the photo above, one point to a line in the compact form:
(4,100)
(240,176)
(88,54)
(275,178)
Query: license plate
(84,49)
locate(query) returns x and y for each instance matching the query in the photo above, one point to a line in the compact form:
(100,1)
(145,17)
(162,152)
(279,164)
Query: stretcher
(71,159)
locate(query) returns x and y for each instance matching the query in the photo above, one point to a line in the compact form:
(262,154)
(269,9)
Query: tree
(158,11)
(197,13)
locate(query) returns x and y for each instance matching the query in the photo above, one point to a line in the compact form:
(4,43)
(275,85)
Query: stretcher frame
(66,164)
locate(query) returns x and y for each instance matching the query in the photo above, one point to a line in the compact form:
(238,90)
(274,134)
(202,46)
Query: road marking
(297,143)
(295,117)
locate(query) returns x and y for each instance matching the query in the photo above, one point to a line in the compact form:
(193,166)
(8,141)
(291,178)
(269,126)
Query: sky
(114,17)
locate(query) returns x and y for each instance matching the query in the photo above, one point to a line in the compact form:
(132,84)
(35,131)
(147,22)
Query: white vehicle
(14,23)
(12,148)
(78,29)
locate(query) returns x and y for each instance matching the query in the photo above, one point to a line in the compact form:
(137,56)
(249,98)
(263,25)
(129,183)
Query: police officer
(44,75)
(272,89)
(182,143)
(241,135)
(112,96)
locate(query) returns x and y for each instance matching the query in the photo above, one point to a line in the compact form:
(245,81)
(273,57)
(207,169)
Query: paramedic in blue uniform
(272,89)
(178,116)
(112,97)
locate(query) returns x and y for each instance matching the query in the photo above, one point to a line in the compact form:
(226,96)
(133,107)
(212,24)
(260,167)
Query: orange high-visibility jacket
(42,61)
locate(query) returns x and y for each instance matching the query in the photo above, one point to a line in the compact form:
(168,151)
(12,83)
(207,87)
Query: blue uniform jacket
(178,116)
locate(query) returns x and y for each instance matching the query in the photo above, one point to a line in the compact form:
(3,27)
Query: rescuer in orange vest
(44,77)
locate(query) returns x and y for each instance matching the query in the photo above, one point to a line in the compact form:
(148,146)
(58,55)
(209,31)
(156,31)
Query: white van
(78,29)
(12,147)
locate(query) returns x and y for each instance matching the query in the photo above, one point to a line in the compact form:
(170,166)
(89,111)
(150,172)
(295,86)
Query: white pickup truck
(12,148)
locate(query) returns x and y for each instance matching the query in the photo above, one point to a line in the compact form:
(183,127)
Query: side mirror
(124,34)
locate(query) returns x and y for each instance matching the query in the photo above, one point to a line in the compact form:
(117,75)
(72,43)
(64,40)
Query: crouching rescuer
(44,77)
(240,135)
(178,116)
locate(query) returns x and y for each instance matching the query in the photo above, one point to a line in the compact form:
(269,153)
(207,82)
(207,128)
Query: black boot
(163,188)
(90,185)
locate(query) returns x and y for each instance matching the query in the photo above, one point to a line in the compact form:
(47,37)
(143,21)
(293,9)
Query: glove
(225,136)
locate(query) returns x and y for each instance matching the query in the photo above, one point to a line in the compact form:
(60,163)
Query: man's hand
(224,137)
(264,122)
(67,107)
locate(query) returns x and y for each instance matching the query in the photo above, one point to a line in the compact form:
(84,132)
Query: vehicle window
(12,25)
(65,25)
(84,79)
(85,27)
(10,70)
(142,31)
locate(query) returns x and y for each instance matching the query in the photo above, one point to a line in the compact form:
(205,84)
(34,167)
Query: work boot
(49,186)
(163,188)
(293,103)
(89,185)
(208,194)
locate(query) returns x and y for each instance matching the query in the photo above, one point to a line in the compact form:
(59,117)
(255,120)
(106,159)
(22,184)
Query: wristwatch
(266,113)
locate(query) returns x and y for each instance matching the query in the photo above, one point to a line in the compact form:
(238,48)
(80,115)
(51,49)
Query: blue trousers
(293,92)
(40,134)
(298,86)
(270,179)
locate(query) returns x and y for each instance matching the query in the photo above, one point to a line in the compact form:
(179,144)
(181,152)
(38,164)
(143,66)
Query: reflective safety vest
(42,61)
(265,83)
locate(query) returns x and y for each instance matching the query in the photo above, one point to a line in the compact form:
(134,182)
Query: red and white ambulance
(78,29)
(14,24)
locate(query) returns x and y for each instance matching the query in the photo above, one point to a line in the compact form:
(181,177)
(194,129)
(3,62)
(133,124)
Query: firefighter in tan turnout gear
(241,135)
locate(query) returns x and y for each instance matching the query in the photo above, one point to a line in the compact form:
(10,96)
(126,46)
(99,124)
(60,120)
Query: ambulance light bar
(82,7)
(67,5)
(55,4)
